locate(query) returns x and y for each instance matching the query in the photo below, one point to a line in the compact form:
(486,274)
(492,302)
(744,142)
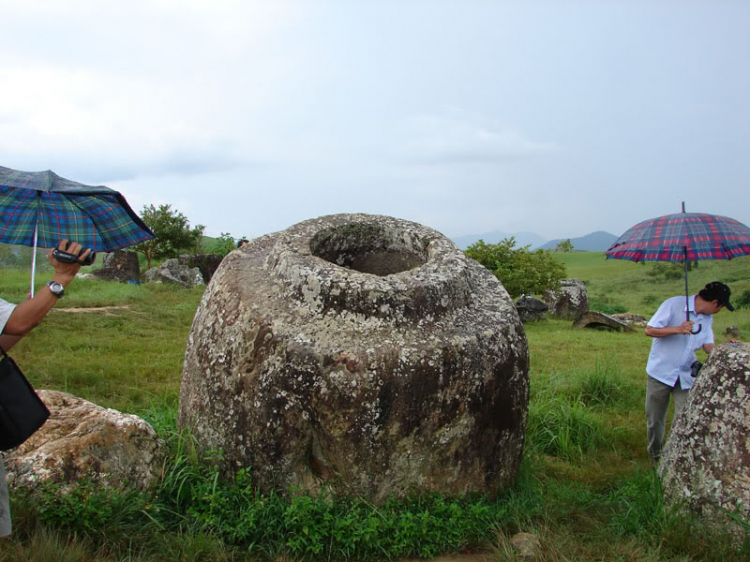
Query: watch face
(56,288)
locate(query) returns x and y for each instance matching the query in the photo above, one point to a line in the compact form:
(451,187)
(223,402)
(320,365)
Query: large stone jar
(705,465)
(362,354)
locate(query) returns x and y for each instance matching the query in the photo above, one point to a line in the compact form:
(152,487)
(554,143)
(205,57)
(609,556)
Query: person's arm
(708,348)
(6,342)
(684,328)
(30,313)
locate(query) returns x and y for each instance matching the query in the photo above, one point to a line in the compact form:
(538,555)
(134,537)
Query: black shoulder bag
(22,412)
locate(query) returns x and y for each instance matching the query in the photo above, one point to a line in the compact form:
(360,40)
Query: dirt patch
(459,557)
(105,310)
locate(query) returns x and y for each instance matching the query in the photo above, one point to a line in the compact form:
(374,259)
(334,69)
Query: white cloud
(455,136)
(129,125)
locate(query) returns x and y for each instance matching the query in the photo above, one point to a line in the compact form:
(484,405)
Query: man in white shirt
(18,320)
(677,335)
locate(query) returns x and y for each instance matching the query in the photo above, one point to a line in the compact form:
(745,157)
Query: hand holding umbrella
(42,208)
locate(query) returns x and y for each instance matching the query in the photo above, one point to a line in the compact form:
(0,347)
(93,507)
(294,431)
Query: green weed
(603,385)
(606,307)
(563,428)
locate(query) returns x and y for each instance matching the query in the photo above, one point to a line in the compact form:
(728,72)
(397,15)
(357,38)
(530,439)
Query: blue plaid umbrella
(41,208)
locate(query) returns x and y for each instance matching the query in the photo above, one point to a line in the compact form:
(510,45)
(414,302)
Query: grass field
(586,487)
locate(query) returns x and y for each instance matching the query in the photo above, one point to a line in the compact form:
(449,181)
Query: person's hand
(65,272)
(686,328)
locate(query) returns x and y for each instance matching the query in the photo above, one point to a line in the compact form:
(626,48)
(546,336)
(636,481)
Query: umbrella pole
(33,260)
(687,298)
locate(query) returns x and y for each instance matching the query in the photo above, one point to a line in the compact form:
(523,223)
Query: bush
(743,301)
(518,269)
(221,245)
(670,270)
(605,307)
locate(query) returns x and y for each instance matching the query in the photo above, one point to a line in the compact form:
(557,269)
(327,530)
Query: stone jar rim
(437,283)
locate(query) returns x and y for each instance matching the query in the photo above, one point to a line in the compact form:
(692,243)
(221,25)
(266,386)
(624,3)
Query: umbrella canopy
(41,208)
(683,237)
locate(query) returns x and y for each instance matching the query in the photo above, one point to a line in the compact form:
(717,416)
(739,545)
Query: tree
(172,230)
(518,269)
(222,245)
(564,246)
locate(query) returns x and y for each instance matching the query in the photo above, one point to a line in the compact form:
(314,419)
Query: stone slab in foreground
(81,440)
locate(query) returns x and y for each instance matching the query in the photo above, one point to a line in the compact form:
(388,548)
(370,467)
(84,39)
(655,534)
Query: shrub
(670,270)
(650,300)
(222,245)
(605,307)
(172,232)
(518,269)
(743,301)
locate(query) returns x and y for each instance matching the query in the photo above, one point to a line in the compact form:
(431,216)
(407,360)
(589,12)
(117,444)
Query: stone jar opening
(370,248)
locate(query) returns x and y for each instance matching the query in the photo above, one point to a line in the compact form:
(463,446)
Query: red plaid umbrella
(683,237)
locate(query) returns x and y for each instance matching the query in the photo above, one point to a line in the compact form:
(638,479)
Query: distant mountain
(598,241)
(522,239)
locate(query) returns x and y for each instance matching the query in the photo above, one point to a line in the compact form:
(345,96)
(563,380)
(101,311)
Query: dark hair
(242,241)
(715,291)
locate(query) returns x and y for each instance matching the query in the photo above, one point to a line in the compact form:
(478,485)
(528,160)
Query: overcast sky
(558,118)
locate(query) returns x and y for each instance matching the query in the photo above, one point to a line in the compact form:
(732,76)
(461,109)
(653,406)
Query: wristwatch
(56,288)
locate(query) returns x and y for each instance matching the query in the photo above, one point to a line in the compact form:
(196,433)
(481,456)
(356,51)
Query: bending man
(673,353)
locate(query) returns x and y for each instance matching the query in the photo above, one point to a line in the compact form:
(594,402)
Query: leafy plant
(518,269)
(172,232)
(670,270)
(222,245)
(743,301)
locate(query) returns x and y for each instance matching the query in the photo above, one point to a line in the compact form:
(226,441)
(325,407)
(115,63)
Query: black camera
(695,368)
(68,257)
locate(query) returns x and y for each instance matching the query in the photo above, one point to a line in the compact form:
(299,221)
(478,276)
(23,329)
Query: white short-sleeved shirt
(671,356)
(6,309)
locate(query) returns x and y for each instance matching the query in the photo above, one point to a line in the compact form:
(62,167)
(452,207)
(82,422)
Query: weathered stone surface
(206,263)
(526,546)
(596,319)
(632,319)
(172,272)
(121,265)
(705,465)
(732,332)
(570,301)
(531,309)
(81,440)
(359,353)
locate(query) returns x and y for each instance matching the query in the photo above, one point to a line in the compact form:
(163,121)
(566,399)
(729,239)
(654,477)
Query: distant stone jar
(570,301)
(361,354)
